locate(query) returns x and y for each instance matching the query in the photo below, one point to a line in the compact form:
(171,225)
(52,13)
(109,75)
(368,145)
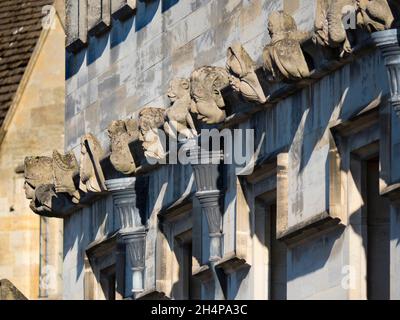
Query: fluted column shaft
(132,233)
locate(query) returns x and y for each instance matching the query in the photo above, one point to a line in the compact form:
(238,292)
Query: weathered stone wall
(130,67)
(35,127)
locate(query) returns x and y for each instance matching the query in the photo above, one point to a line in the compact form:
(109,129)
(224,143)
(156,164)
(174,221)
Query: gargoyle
(206,85)
(91,173)
(179,122)
(121,133)
(330,30)
(65,167)
(242,76)
(150,121)
(374,15)
(283,57)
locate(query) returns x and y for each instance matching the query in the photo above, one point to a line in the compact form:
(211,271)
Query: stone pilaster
(132,233)
(206,173)
(135,253)
(388,41)
(124,199)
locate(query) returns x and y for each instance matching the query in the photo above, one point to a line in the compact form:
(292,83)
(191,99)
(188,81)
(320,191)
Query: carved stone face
(206,85)
(178,88)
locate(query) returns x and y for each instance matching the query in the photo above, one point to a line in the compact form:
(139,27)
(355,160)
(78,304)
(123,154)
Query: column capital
(388,41)
(120,184)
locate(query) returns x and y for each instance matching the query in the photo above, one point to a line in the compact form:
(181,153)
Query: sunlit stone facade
(313,216)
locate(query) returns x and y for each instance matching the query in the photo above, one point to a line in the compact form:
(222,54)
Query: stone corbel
(388,41)
(123,9)
(99,16)
(132,233)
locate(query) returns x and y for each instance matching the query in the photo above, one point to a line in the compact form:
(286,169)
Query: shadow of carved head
(151,118)
(206,85)
(37,171)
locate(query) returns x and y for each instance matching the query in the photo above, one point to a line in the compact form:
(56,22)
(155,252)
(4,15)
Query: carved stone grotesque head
(283,57)
(121,133)
(178,88)
(179,123)
(65,168)
(280,24)
(150,121)
(48,203)
(91,173)
(242,74)
(206,85)
(37,171)
(375,15)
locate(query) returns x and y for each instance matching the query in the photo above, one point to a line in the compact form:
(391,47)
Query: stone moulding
(242,76)
(283,56)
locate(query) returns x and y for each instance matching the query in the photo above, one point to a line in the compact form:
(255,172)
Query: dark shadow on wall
(145,12)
